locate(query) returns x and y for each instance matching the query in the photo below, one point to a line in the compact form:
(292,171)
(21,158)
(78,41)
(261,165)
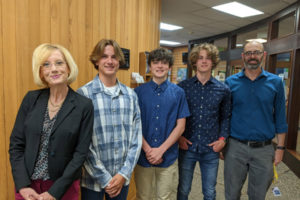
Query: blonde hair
(99,50)
(212,52)
(40,55)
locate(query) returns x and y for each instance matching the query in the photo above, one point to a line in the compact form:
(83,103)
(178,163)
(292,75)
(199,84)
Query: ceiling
(199,20)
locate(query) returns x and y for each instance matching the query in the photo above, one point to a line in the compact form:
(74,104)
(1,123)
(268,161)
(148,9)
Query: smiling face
(55,71)
(108,64)
(159,69)
(204,63)
(253,55)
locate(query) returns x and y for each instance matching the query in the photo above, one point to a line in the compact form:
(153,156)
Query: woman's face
(55,71)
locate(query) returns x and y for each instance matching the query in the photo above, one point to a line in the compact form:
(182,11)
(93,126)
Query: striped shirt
(117,134)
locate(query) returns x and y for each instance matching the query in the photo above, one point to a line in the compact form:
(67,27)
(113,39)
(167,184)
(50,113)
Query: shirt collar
(211,80)
(98,86)
(242,73)
(162,86)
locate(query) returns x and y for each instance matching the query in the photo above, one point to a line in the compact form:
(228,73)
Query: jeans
(87,194)
(209,163)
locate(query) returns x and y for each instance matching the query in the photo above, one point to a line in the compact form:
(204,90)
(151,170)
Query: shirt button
(156,129)
(200,116)
(201,107)
(157,117)
(157,106)
(155,140)
(201,97)
(158,94)
(200,126)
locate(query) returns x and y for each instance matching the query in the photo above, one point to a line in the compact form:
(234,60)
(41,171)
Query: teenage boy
(163,109)
(117,137)
(207,127)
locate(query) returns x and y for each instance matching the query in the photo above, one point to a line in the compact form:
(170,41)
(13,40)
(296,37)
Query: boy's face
(204,62)
(159,69)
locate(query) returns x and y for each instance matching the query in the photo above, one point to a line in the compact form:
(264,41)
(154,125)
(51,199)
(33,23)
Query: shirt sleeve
(95,167)
(135,144)
(183,111)
(225,114)
(93,164)
(279,110)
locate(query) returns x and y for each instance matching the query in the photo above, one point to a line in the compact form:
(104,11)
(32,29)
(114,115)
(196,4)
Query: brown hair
(212,52)
(99,50)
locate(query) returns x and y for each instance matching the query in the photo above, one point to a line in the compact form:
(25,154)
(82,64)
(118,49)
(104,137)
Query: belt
(254,144)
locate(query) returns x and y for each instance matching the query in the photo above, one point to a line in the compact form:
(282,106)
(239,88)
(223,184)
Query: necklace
(53,110)
(55,105)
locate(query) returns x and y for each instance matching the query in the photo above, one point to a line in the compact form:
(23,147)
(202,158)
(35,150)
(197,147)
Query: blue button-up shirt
(117,134)
(210,107)
(161,106)
(258,106)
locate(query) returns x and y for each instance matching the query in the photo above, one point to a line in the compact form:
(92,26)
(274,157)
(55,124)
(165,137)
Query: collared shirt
(258,106)
(117,134)
(161,106)
(210,107)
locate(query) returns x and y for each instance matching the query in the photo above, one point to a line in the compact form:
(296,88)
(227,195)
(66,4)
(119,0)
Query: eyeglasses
(254,53)
(58,63)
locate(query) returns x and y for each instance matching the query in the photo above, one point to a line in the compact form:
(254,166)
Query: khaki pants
(156,182)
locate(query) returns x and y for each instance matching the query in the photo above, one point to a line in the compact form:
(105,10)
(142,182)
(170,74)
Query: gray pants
(241,160)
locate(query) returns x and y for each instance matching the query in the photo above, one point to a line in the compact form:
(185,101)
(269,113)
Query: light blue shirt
(117,134)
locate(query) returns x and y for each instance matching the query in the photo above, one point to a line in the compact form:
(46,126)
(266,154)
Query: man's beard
(252,66)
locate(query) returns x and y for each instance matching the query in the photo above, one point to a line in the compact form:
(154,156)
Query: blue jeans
(87,194)
(209,163)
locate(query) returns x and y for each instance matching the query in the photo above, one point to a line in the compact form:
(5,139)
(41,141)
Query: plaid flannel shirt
(117,135)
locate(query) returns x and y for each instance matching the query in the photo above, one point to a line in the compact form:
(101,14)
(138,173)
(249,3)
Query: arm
(135,144)
(17,147)
(157,153)
(280,122)
(73,168)
(93,164)
(225,114)
(279,152)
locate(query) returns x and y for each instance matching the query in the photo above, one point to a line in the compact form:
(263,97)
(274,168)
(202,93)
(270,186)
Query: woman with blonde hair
(52,131)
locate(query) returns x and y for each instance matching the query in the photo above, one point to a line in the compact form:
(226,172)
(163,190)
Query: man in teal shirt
(258,113)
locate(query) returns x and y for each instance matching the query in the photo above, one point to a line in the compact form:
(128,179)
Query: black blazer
(68,144)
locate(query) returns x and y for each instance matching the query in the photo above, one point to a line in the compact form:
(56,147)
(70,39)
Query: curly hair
(212,53)
(161,54)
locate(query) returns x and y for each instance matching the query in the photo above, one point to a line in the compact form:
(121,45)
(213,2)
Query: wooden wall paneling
(3,152)
(34,38)
(77,25)
(23,57)
(87,69)
(10,79)
(76,32)
(44,22)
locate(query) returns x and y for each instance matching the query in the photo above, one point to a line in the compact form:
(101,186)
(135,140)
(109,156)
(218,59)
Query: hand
(46,196)
(184,143)
(155,156)
(221,155)
(278,156)
(217,145)
(115,186)
(29,194)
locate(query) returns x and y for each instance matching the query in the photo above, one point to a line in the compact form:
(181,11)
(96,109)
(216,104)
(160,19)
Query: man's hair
(99,50)
(161,54)
(253,42)
(42,53)
(212,53)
